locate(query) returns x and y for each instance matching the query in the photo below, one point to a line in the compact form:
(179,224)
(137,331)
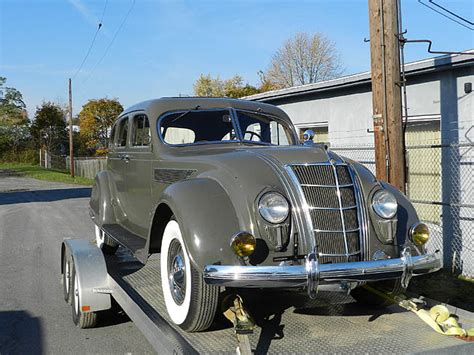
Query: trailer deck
(288,322)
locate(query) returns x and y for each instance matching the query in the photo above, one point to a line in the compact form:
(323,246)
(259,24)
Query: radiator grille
(329,193)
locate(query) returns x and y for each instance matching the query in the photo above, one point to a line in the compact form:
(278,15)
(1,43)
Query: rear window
(194,127)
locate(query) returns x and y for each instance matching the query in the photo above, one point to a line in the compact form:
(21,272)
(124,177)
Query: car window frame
(273,117)
(168,113)
(132,133)
(127,141)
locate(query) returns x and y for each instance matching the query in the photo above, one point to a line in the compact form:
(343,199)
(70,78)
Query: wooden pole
(386,93)
(71,147)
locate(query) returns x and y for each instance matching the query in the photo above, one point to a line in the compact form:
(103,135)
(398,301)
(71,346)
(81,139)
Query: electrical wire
(111,42)
(444,15)
(93,41)
(452,13)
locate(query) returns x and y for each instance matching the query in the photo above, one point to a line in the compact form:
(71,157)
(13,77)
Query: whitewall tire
(190,302)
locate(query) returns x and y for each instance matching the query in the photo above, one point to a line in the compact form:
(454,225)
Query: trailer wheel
(190,302)
(67,280)
(367,297)
(104,242)
(81,319)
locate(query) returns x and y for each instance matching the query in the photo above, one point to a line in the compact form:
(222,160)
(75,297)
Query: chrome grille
(332,207)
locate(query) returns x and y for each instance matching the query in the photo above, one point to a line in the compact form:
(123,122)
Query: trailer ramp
(288,322)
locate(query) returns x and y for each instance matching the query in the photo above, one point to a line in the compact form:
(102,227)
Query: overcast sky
(165,45)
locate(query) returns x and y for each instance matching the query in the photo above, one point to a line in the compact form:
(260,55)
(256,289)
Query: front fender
(101,200)
(207,219)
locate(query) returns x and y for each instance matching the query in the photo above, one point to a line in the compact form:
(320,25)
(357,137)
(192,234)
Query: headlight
(384,204)
(243,244)
(419,233)
(273,207)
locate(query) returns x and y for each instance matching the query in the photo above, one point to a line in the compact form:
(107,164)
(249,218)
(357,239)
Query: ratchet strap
(437,317)
(243,322)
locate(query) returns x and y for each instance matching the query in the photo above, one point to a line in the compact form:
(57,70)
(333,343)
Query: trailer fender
(91,271)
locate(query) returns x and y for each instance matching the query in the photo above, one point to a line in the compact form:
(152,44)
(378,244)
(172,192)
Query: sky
(163,46)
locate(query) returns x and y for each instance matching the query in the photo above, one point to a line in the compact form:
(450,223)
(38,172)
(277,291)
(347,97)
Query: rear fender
(101,200)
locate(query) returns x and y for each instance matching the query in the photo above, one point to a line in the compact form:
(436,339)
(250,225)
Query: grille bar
(328,186)
(332,208)
(336,231)
(342,213)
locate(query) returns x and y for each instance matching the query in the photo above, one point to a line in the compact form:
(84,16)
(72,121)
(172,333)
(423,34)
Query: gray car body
(212,190)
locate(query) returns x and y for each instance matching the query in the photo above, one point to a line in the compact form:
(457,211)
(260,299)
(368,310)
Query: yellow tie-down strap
(437,317)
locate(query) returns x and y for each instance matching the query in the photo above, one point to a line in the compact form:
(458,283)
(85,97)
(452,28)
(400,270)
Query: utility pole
(386,93)
(71,150)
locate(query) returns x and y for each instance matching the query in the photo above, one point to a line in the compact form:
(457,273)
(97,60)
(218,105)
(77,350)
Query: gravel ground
(35,216)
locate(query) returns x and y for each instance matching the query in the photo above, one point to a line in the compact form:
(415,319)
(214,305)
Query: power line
(444,15)
(111,42)
(93,41)
(451,13)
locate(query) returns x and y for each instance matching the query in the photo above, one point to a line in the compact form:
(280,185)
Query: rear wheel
(190,302)
(67,279)
(81,319)
(104,242)
(370,294)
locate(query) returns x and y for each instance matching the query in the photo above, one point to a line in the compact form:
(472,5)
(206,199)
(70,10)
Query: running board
(129,240)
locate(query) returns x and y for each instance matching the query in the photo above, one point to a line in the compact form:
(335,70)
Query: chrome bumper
(311,274)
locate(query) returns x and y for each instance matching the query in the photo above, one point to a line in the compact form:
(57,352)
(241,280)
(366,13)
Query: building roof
(414,68)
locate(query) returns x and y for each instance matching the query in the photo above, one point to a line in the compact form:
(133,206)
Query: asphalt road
(35,216)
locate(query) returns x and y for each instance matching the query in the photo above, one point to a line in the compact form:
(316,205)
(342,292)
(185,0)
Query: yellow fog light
(419,233)
(243,244)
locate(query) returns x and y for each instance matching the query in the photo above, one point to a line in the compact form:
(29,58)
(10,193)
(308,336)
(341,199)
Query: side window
(112,136)
(121,140)
(140,131)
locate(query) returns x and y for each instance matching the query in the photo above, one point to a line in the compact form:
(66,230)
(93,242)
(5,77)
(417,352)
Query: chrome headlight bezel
(384,204)
(273,207)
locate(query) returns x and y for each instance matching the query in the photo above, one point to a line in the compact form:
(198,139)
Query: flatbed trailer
(287,323)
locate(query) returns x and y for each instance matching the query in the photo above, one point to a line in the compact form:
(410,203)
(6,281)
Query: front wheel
(190,302)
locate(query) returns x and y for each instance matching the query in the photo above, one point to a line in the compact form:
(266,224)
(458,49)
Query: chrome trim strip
(329,186)
(332,208)
(297,275)
(336,231)
(343,222)
(361,215)
(319,163)
(350,254)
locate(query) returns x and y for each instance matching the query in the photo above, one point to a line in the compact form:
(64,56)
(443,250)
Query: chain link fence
(440,183)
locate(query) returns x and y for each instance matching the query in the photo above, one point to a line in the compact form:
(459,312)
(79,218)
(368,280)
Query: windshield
(221,126)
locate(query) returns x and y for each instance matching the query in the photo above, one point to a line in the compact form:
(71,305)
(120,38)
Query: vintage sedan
(223,190)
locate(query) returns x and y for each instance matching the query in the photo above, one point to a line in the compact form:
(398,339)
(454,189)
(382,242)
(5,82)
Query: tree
(95,120)
(12,106)
(234,87)
(304,59)
(49,127)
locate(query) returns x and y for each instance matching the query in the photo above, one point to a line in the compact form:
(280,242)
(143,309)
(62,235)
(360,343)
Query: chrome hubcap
(177,272)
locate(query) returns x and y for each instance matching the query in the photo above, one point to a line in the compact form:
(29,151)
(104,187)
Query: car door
(138,176)
(117,167)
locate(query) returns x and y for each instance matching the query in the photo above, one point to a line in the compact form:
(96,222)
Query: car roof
(156,107)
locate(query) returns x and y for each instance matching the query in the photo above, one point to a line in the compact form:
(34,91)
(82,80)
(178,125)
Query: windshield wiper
(185,113)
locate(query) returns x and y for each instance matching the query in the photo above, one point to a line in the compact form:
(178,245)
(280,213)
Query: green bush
(28,156)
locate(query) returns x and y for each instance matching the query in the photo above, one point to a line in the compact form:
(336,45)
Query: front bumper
(312,274)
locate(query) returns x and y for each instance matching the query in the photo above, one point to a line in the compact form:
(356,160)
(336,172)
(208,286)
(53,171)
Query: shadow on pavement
(10,198)
(20,333)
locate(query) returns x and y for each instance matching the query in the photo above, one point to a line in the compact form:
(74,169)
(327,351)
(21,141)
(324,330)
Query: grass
(37,172)
(445,287)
